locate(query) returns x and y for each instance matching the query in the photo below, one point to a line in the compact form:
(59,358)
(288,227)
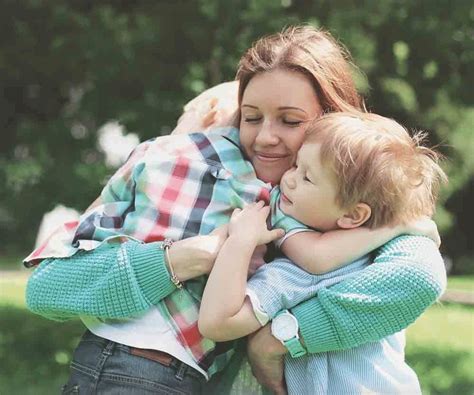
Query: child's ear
(355,217)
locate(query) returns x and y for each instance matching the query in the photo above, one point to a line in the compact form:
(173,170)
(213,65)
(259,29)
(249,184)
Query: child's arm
(319,253)
(225,312)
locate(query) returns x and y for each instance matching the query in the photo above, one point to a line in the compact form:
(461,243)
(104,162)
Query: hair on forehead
(377,162)
(312,52)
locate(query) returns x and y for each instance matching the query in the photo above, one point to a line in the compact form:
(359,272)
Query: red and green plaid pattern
(171,187)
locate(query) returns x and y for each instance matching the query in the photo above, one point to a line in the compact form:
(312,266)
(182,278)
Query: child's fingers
(213,102)
(273,235)
(222,230)
(209,118)
(256,206)
(278,233)
(265,211)
(236,212)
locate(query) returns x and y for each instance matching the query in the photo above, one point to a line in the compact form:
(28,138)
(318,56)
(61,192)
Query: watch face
(285,327)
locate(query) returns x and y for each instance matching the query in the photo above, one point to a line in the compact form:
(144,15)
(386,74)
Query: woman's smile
(269,157)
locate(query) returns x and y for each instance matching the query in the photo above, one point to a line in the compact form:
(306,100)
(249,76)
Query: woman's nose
(267,135)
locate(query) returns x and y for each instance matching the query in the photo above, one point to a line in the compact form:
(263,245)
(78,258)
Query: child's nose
(290,179)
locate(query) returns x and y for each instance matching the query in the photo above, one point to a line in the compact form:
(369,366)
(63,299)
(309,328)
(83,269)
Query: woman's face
(275,109)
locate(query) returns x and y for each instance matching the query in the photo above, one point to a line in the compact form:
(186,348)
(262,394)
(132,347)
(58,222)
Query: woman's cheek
(247,139)
(298,141)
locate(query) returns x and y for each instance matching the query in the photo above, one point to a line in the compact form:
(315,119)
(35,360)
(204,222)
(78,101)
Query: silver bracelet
(167,243)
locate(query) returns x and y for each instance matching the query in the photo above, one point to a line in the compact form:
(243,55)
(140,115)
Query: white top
(150,331)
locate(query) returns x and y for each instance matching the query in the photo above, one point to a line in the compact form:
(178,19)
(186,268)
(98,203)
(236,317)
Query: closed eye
(252,120)
(292,123)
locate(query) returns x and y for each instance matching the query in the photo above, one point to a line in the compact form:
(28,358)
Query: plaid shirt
(170,187)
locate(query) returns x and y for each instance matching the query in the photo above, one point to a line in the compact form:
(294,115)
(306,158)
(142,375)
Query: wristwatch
(285,328)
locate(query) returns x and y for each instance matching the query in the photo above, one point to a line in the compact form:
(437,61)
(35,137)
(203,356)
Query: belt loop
(181,371)
(109,348)
(107,351)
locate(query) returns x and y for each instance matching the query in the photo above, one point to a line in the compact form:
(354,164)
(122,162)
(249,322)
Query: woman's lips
(269,157)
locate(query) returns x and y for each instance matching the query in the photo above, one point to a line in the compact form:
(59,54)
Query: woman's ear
(355,217)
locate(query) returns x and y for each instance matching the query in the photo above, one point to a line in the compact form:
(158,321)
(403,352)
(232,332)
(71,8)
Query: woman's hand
(423,226)
(265,354)
(195,256)
(250,224)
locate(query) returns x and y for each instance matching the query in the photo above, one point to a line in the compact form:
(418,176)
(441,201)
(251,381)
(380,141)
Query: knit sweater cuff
(315,327)
(148,262)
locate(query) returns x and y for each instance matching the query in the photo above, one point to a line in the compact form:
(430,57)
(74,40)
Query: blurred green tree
(67,68)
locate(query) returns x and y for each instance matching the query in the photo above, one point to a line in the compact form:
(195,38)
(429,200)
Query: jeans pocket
(70,389)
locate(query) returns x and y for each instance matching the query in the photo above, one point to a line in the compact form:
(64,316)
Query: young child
(352,172)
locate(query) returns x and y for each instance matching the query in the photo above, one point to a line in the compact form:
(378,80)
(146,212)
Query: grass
(12,261)
(461,283)
(34,352)
(440,348)
(12,288)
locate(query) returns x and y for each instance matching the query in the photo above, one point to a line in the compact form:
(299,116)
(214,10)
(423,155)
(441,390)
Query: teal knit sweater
(118,281)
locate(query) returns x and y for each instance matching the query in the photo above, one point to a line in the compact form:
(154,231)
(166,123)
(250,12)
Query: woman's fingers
(425,226)
(265,354)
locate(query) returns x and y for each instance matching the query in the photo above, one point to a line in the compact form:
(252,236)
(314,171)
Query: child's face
(308,191)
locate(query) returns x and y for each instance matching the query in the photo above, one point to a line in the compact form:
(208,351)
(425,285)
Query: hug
(353,258)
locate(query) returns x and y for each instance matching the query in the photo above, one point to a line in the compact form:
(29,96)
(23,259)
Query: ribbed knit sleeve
(406,277)
(112,281)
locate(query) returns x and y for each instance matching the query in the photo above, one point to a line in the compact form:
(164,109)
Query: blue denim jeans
(101,366)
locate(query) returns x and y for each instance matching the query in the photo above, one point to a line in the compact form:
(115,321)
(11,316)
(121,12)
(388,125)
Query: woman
(285,80)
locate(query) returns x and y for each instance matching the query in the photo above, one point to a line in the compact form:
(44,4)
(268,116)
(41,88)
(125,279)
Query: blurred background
(82,82)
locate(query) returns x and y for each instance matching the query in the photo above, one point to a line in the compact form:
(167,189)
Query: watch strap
(295,347)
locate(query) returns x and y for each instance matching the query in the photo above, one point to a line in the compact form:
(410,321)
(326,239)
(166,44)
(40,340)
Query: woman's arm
(117,280)
(122,280)
(406,277)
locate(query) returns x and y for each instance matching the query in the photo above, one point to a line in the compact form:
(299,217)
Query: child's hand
(257,259)
(423,226)
(250,224)
(215,107)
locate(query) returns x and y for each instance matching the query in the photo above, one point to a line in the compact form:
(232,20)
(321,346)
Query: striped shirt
(373,368)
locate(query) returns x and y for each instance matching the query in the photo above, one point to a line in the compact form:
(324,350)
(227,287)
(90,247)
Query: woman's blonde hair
(375,161)
(312,52)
